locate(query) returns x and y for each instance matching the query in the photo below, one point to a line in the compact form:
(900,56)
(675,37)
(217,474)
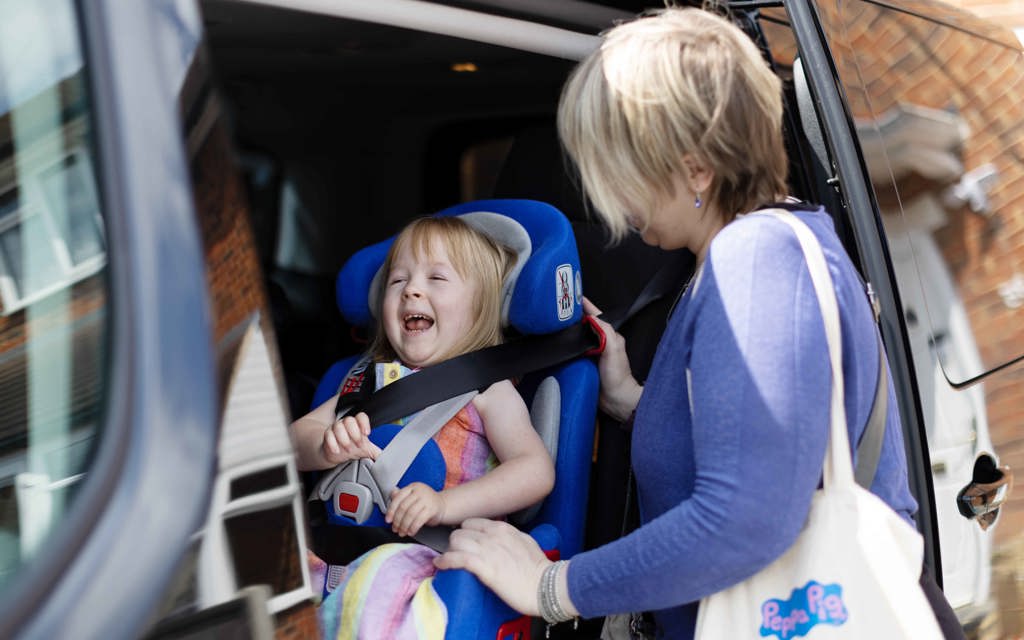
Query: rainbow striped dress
(387,592)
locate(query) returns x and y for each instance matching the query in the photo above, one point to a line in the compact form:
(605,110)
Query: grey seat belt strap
(869,449)
(396,457)
(374,480)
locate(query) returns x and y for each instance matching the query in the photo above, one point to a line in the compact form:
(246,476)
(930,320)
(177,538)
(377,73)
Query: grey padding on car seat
(545,412)
(504,230)
(501,229)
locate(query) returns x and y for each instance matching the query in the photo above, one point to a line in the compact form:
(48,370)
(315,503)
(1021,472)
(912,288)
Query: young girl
(440,297)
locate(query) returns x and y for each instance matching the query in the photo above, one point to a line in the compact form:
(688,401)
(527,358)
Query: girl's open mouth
(417,322)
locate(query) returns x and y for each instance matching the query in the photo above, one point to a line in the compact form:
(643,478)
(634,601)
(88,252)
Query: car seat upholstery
(562,399)
(536,168)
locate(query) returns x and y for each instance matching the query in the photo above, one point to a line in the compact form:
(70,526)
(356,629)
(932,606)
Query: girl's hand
(348,439)
(413,506)
(504,558)
(620,392)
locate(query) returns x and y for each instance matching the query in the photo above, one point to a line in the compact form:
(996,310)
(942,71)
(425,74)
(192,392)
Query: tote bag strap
(838,468)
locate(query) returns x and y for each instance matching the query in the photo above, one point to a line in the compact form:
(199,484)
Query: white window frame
(34,202)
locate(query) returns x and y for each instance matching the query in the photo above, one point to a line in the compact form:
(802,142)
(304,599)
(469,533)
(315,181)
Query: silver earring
(697,202)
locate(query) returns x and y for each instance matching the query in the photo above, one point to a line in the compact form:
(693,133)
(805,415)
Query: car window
(53,292)
(938,115)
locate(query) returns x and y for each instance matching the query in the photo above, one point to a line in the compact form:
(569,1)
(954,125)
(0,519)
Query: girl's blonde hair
(476,257)
(668,84)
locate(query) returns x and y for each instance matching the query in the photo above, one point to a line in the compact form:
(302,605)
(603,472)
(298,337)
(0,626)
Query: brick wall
(233,270)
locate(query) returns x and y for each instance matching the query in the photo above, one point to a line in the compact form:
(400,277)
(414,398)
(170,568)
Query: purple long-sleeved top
(727,461)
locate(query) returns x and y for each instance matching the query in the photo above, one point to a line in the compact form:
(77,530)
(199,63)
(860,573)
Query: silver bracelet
(547,597)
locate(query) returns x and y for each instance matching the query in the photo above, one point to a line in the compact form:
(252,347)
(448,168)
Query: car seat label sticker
(806,608)
(563,291)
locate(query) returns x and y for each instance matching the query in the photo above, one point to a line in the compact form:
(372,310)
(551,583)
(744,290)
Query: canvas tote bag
(853,571)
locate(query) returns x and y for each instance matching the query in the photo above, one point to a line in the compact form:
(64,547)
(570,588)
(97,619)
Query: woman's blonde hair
(476,257)
(668,84)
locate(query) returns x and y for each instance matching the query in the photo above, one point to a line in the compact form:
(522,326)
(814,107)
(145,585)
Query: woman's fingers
(505,559)
(590,308)
(458,560)
(486,525)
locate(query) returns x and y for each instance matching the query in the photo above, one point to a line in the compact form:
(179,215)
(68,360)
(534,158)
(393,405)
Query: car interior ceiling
(346,130)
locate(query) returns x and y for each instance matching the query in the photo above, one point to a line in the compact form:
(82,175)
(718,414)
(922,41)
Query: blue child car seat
(542,295)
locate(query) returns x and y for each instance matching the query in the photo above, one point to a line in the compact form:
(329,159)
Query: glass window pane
(31,251)
(72,202)
(10,250)
(259,541)
(53,318)
(938,113)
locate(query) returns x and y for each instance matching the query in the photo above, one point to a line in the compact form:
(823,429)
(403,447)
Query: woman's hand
(413,506)
(348,439)
(620,392)
(504,558)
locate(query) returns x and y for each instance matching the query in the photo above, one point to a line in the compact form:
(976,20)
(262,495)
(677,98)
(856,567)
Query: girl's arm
(526,473)
(321,443)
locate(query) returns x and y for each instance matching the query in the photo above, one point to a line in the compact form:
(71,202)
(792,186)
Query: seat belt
(869,449)
(437,393)
(354,487)
(475,371)
(666,280)
(480,369)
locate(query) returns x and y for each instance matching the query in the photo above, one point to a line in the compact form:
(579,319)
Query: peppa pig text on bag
(807,607)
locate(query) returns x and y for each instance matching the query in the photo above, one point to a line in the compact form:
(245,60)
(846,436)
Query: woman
(675,126)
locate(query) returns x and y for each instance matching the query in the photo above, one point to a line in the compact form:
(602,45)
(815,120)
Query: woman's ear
(698,175)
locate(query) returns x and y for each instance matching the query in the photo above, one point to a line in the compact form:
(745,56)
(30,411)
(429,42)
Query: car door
(919,106)
(109,418)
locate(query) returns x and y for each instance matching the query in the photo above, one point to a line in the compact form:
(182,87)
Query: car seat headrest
(499,228)
(543,291)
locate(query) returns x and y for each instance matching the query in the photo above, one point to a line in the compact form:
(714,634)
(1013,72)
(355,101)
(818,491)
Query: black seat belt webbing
(478,370)
(665,281)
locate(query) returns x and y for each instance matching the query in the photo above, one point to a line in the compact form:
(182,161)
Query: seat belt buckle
(601,338)
(349,489)
(352,500)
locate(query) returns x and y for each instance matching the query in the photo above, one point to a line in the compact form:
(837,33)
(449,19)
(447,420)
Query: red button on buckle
(348,503)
